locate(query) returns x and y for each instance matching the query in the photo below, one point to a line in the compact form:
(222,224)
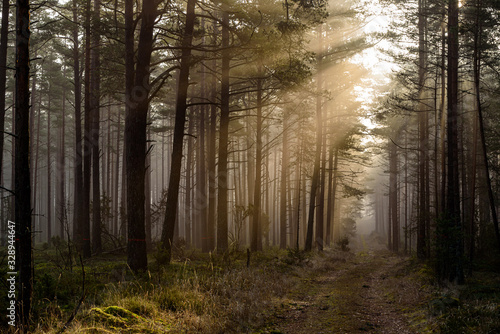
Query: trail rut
(370,292)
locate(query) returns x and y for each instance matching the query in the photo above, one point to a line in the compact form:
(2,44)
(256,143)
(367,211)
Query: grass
(209,293)
(478,306)
(201,293)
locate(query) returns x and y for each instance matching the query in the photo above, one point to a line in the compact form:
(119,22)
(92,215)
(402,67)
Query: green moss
(125,321)
(101,315)
(128,316)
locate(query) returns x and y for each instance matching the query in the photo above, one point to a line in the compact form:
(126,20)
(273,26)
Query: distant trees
(441,95)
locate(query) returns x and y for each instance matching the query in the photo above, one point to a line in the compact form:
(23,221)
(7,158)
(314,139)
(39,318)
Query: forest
(266,166)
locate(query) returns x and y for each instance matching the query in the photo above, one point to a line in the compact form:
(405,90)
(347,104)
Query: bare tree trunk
(200,198)
(135,133)
(35,169)
(283,184)
(211,164)
(61,170)
(49,171)
(116,205)
(86,251)
(147,197)
(256,244)
(4,35)
(22,187)
(315,178)
(180,120)
(33,148)
(320,239)
(333,194)
(189,162)
(407,231)
(423,139)
(329,192)
(95,83)
(78,200)
(452,268)
(477,81)
(222,171)
(393,196)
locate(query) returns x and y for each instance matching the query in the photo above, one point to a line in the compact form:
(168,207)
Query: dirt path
(369,292)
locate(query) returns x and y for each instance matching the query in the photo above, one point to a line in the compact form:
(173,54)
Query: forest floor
(365,290)
(369,290)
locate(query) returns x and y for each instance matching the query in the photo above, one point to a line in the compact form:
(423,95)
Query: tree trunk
(116,210)
(333,194)
(283,184)
(49,171)
(36,159)
(393,196)
(147,198)
(86,251)
(222,177)
(423,213)
(4,35)
(189,161)
(135,133)
(452,262)
(256,244)
(22,188)
(95,84)
(33,148)
(211,164)
(320,239)
(180,120)
(77,222)
(200,199)
(317,161)
(477,81)
(61,170)
(329,192)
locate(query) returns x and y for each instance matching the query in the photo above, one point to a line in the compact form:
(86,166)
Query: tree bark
(61,170)
(49,171)
(189,161)
(317,161)
(393,196)
(256,244)
(95,87)
(222,177)
(135,133)
(78,200)
(22,188)
(200,198)
(211,164)
(4,35)
(87,162)
(283,184)
(453,268)
(320,239)
(477,81)
(180,120)
(423,213)
(147,198)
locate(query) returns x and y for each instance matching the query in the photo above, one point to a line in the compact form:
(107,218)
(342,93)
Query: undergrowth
(198,292)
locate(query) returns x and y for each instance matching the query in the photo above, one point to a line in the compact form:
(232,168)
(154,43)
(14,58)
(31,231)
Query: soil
(371,290)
